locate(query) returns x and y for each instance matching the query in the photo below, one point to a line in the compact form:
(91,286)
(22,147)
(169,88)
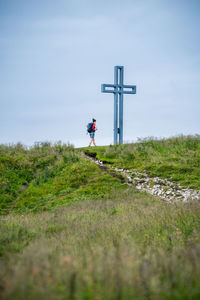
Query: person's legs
(90,142)
(92,139)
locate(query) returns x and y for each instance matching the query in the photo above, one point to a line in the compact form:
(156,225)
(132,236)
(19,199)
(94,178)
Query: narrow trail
(162,188)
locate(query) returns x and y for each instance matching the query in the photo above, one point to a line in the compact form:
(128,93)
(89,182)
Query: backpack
(91,127)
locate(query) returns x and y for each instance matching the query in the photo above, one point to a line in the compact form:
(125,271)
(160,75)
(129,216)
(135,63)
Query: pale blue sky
(54,55)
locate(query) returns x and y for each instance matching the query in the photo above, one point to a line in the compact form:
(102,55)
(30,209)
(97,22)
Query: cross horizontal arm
(109,86)
(131,89)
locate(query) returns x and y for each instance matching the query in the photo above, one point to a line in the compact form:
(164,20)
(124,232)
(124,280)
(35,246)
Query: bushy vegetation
(131,246)
(47,176)
(177,159)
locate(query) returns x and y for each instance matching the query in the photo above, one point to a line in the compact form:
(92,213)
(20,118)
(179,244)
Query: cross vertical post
(121,83)
(115,105)
(118,89)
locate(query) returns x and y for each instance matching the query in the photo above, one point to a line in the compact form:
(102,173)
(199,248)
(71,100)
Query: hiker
(91,128)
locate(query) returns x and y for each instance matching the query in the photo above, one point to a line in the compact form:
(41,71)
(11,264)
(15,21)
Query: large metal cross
(119,89)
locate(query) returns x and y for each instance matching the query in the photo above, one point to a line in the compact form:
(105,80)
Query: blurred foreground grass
(129,246)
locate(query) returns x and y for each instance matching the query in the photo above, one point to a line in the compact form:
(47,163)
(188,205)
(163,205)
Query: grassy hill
(70,230)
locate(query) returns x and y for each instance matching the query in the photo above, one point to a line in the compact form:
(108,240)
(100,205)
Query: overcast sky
(54,55)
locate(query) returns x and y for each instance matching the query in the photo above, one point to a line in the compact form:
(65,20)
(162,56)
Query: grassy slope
(177,159)
(47,176)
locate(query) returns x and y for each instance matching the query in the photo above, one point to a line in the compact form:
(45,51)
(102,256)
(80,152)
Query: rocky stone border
(161,188)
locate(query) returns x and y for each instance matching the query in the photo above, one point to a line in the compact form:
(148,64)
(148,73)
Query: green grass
(48,176)
(129,246)
(70,230)
(177,159)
